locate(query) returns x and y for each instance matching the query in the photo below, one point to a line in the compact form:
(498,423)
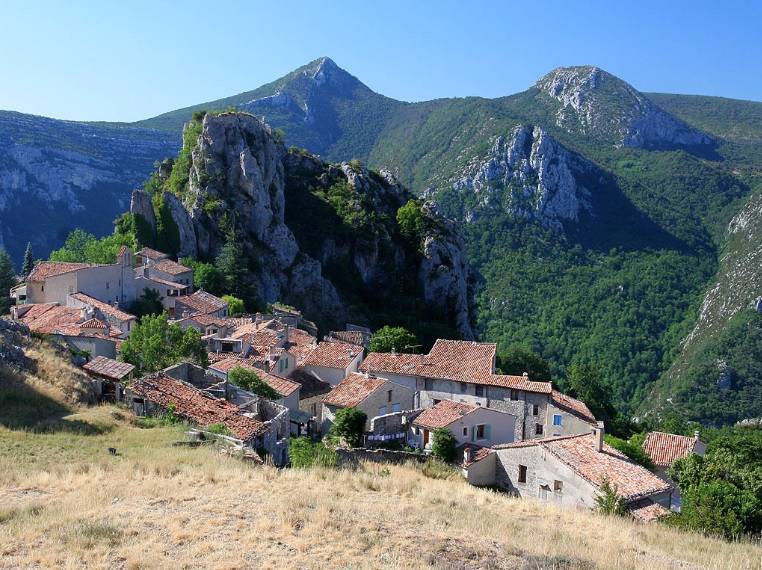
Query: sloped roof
(632,481)
(332,355)
(577,407)
(352,337)
(109,368)
(478,453)
(283,386)
(152,254)
(201,303)
(666,448)
(457,360)
(104,308)
(52,318)
(353,390)
(193,404)
(46,269)
(169,266)
(645,510)
(93,324)
(443,414)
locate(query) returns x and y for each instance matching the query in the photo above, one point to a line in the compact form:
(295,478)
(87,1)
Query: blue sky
(131,60)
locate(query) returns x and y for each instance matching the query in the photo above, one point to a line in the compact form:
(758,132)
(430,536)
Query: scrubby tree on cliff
(155,344)
(28,264)
(7,280)
(412,223)
(390,338)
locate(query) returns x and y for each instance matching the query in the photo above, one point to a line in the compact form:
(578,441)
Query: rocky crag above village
(321,236)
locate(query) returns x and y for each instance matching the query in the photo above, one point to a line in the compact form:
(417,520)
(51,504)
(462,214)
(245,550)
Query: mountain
(236,187)
(596,215)
(59,175)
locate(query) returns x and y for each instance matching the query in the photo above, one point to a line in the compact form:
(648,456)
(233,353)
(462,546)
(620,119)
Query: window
(428,384)
(480,431)
(522,473)
(314,409)
(382,410)
(436,401)
(107,284)
(538,429)
(389,396)
(535,409)
(514,395)
(557,419)
(465,431)
(396,408)
(479,391)
(543,492)
(463,387)
(558,486)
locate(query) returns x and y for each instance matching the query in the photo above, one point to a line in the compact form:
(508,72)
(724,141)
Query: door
(425,437)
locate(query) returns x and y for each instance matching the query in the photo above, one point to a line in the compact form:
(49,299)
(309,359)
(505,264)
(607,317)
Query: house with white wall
(663,449)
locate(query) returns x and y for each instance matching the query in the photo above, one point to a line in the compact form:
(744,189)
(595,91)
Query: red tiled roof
(353,390)
(352,337)
(645,510)
(632,481)
(152,254)
(52,318)
(283,386)
(577,407)
(104,308)
(333,355)
(169,266)
(665,448)
(170,284)
(109,368)
(443,414)
(478,453)
(458,360)
(93,324)
(200,303)
(46,269)
(193,404)
(300,343)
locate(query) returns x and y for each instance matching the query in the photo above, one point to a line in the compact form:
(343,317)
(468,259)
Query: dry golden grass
(72,505)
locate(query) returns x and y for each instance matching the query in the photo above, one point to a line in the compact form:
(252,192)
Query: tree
(586,383)
(206,276)
(349,424)
(304,453)
(7,281)
(235,305)
(28,264)
(389,338)
(230,264)
(519,358)
(149,303)
(412,223)
(155,344)
(250,381)
(608,501)
(631,449)
(443,444)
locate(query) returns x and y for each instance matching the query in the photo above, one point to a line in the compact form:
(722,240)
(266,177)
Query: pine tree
(7,280)
(28,264)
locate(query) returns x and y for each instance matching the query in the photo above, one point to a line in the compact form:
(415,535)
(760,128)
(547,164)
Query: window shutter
(488,431)
(473,433)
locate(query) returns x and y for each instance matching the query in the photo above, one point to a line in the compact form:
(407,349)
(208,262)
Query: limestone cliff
(317,235)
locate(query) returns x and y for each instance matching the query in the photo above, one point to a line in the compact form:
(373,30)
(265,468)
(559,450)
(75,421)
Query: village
(268,378)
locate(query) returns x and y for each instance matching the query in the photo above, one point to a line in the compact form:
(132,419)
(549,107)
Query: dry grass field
(65,502)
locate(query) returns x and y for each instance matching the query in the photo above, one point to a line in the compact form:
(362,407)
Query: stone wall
(354,456)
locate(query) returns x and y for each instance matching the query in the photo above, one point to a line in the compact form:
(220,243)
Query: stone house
(200,303)
(469,423)
(332,362)
(311,393)
(118,319)
(663,449)
(464,371)
(111,376)
(570,471)
(252,423)
(287,389)
(374,396)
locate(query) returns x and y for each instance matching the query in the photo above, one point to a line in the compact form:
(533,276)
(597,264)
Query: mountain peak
(597,103)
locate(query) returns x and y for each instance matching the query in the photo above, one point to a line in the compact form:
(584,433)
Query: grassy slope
(65,502)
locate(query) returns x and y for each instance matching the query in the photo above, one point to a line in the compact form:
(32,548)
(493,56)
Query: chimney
(696,434)
(598,432)
(526,375)
(394,351)
(285,332)
(466,455)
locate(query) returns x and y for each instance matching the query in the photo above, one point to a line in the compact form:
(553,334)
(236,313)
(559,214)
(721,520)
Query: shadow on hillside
(24,408)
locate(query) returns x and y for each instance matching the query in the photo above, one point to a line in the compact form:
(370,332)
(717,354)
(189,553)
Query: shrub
(608,501)
(235,305)
(218,428)
(305,453)
(349,424)
(249,380)
(436,469)
(389,338)
(631,450)
(412,224)
(443,445)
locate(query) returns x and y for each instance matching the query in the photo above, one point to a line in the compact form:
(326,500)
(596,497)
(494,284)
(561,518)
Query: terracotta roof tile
(645,510)
(193,404)
(577,407)
(50,319)
(443,414)
(578,452)
(104,308)
(352,337)
(152,254)
(478,453)
(93,324)
(665,448)
(169,266)
(199,303)
(353,390)
(46,269)
(333,355)
(109,368)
